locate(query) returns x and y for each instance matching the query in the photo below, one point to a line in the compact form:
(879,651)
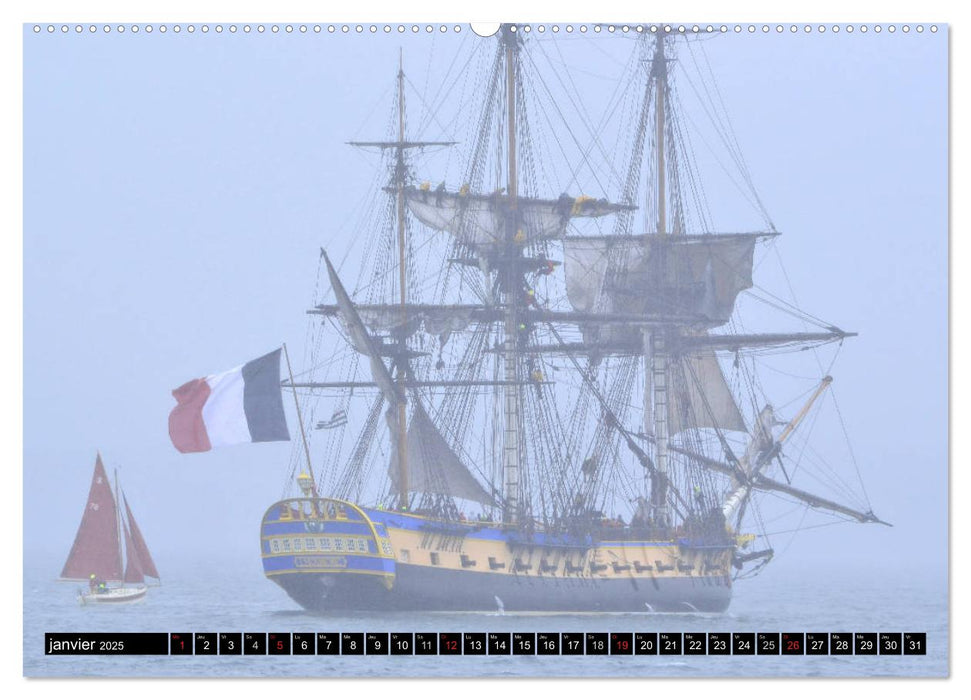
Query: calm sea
(225,600)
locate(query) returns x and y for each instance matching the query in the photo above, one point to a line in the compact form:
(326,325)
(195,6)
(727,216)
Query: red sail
(96,546)
(137,544)
(133,571)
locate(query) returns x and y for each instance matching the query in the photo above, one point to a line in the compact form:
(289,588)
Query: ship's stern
(327,554)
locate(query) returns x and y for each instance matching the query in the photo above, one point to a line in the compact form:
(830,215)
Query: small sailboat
(96,556)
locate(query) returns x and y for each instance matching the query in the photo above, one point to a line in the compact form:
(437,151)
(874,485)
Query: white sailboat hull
(127,594)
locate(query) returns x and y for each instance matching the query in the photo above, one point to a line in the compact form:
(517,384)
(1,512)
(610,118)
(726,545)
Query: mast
(511,448)
(303,433)
(118,524)
(399,183)
(659,69)
(655,352)
(399,176)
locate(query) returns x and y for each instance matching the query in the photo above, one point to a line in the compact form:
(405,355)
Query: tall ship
(538,399)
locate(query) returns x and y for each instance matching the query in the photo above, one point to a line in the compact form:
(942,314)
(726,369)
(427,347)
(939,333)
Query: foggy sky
(178,188)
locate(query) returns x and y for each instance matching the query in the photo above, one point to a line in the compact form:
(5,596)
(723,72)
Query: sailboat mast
(399,175)
(118,516)
(511,448)
(655,354)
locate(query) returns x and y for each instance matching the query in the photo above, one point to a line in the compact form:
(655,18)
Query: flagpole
(303,434)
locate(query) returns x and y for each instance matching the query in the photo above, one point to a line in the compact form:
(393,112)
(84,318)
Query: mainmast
(511,289)
(655,353)
(660,73)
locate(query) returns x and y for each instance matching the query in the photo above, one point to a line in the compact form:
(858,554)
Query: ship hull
(332,555)
(424,589)
(114,596)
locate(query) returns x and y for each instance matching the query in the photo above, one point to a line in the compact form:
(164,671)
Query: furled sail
(433,466)
(362,341)
(701,397)
(480,220)
(138,544)
(698,276)
(442,321)
(96,546)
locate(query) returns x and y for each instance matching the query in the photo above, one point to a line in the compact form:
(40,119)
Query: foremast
(401,375)
(399,352)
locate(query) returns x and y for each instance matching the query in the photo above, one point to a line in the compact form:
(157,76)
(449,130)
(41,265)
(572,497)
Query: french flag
(244,404)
